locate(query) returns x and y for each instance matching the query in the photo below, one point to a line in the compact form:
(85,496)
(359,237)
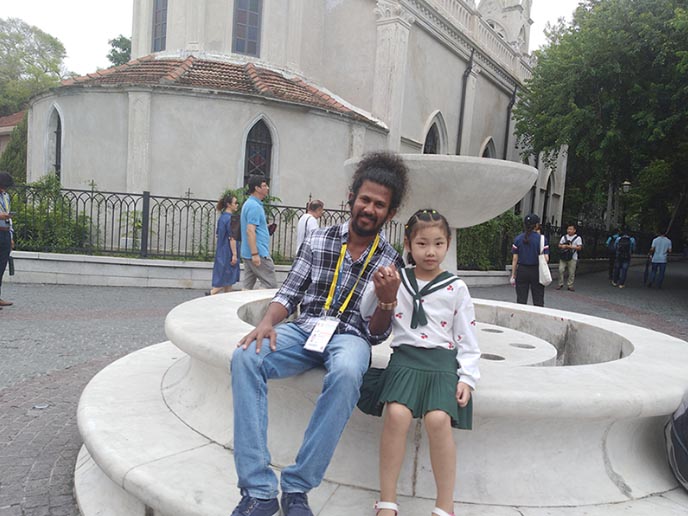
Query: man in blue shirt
(661,247)
(255,237)
(328,277)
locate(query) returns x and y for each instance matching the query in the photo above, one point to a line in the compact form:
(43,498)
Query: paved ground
(55,338)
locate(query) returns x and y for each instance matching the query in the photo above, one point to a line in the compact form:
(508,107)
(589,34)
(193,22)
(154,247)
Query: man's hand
(5,216)
(275,314)
(463,393)
(255,259)
(234,260)
(260,332)
(386,281)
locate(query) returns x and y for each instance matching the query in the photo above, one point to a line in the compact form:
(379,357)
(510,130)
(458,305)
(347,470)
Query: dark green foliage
(487,246)
(13,159)
(121,50)
(612,86)
(47,220)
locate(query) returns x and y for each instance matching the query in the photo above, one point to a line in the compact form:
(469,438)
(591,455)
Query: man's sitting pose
(328,277)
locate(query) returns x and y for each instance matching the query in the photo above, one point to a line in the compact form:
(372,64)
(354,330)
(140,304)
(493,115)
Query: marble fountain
(569,414)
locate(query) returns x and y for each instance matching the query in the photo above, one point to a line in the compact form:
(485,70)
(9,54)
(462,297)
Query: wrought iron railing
(143,225)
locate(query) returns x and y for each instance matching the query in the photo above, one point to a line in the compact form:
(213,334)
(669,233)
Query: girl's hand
(463,393)
(234,260)
(386,281)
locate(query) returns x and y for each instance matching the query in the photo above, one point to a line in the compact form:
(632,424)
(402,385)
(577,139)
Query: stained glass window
(258,151)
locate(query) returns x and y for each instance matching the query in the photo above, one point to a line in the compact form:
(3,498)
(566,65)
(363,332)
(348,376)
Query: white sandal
(440,512)
(387,505)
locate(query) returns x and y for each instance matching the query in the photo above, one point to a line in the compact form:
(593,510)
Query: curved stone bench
(157,424)
(587,432)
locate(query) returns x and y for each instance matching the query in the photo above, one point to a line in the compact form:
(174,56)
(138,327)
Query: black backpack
(623,248)
(676,434)
(566,254)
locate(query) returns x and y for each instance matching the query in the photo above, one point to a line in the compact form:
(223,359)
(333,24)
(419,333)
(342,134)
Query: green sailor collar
(408,279)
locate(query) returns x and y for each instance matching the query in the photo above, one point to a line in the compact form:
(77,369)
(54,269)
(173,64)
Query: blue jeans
(620,271)
(655,267)
(345,359)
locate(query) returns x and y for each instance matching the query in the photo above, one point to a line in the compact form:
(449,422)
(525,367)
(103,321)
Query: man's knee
(244,360)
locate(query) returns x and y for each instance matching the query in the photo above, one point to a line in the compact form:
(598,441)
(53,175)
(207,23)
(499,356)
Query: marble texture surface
(592,419)
(187,474)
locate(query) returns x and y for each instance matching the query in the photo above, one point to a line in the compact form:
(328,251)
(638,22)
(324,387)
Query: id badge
(321,334)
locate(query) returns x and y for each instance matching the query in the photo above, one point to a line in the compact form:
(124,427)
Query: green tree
(121,50)
(30,62)
(13,159)
(612,86)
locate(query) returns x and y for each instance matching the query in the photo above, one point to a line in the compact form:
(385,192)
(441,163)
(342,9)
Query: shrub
(487,246)
(45,220)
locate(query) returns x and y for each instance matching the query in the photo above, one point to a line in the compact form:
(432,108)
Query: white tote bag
(545,276)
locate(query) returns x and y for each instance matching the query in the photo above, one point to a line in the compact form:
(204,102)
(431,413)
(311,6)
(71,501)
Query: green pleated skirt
(420,379)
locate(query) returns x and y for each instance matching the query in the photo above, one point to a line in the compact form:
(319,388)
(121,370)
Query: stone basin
(465,189)
(588,431)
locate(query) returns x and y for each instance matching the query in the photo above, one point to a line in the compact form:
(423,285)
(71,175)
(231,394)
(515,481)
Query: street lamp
(625,188)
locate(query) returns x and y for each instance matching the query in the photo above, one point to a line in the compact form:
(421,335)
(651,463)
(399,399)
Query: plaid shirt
(312,273)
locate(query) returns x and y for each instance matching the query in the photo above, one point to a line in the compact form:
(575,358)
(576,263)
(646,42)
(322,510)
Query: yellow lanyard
(333,287)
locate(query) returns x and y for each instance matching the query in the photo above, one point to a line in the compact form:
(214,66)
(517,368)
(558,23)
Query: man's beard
(365,232)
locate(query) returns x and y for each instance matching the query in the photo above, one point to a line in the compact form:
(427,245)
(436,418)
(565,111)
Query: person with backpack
(569,245)
(624,247)
(611,251)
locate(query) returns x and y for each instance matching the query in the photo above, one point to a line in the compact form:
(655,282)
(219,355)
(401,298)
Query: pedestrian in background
(624,247)
(6,229)
(226,266)
(569,245)
(611,251)
(255,236)
(524,264)
(309,221)
(661,247)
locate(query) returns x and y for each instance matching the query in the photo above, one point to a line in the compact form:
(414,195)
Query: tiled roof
(11,120)
(193,72)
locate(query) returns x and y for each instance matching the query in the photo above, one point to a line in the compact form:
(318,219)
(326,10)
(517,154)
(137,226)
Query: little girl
(434,328)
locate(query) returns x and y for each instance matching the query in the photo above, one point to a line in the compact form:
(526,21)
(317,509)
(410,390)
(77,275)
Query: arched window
(488,149)
(432,141)
(54,161)
(247,25)
(159,25)
(258,151)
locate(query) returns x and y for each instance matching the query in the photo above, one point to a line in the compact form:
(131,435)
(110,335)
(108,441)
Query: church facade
(218,89)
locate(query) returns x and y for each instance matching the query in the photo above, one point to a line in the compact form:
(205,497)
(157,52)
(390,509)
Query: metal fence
(143,225)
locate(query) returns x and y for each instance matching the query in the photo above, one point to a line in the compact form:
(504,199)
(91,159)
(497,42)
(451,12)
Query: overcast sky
(85,26)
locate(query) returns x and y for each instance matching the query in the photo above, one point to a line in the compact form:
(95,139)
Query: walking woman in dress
(226,266)
(434,367)
(524,264)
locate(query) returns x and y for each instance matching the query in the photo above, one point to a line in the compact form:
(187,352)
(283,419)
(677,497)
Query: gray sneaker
(250,506)
(295,504)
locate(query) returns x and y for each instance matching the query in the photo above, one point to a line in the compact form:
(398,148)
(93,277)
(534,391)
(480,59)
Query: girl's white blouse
(451,324)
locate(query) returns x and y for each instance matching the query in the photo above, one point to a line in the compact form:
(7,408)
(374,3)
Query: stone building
(217,89)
